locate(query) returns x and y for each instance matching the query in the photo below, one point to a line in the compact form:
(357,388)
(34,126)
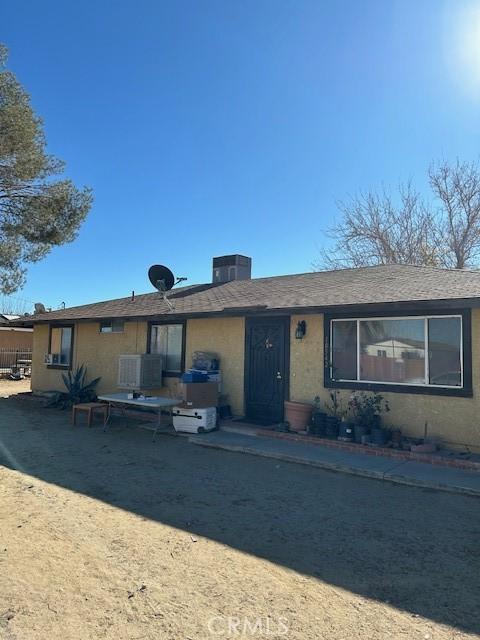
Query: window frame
(183,324)
(64,367)
(403,387)
(110,321)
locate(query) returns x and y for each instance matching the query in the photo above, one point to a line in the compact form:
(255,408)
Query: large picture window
(167,339)
(419,351)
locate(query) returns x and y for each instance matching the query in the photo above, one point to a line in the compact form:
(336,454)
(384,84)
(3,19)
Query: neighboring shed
(16,344)
(13,334)
(15,338)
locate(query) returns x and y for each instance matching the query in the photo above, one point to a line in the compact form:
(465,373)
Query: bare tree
(376,229)
(457,187)
(13,306)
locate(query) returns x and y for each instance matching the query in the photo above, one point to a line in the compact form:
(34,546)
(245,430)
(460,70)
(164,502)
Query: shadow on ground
(417,549)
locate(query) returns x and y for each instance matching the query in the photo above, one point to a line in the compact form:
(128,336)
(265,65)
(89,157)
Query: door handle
(279,375)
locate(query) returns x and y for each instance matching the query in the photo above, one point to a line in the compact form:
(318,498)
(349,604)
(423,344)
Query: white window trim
(425,318)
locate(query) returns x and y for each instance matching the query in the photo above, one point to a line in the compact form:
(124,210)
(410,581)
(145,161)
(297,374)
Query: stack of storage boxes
(200,388)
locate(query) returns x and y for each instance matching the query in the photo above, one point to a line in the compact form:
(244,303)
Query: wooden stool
(90,408)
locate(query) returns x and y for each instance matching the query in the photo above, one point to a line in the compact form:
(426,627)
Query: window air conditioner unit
(140,371)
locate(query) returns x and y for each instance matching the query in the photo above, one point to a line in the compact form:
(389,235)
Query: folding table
(153,402)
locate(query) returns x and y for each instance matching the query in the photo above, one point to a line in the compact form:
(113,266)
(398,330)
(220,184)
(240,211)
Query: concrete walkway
(381,468)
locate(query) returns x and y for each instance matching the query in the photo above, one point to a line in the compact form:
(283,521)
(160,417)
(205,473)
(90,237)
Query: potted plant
(367,409)
(334,409)
(298,415)
(379,434)
(317,426)
(346,429)
(396,437)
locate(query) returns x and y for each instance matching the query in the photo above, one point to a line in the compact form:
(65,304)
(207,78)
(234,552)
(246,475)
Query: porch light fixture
(301,330)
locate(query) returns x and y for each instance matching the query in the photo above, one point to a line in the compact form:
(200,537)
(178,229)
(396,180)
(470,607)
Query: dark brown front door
(266,368)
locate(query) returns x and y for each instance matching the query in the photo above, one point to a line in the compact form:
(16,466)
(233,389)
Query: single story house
(411,333)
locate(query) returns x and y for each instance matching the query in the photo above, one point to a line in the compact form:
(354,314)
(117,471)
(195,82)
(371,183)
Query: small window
(167,339)
(61,341)
(112,326)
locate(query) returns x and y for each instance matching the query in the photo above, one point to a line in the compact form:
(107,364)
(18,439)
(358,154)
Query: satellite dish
(161,277)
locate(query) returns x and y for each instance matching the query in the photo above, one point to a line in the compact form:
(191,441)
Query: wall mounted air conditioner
(140,371)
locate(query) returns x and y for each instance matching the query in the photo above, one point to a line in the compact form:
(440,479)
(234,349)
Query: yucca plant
(78,390)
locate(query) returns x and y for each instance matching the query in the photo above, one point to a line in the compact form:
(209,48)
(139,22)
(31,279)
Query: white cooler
(194,420)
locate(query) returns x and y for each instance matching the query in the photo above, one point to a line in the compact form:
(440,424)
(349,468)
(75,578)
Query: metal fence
(16,361)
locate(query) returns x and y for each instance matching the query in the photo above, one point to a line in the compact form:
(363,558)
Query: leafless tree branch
(375,228)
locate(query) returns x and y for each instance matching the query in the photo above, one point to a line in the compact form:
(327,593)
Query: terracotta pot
(298,415)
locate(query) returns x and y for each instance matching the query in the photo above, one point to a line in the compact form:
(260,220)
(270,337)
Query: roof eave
(404,305)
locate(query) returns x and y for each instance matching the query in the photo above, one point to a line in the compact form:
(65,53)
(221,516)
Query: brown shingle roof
(322,290)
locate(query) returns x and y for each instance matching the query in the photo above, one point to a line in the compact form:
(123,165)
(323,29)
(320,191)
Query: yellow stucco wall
(43,379)
(455,420)
(98,351)
(226,337)
(306,359)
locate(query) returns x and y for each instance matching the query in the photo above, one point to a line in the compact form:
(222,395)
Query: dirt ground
(12,387)
(108,535)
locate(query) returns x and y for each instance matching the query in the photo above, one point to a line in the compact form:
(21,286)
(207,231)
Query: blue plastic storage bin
(194,376)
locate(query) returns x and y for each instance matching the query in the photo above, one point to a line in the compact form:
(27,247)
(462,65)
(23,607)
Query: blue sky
(212,127)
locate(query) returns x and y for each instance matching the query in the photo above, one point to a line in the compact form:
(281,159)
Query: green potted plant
(346,429)
(367,409)
(396,437)
(318,418)
(334,408)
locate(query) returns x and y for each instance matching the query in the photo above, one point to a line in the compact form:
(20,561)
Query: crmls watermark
(231,626)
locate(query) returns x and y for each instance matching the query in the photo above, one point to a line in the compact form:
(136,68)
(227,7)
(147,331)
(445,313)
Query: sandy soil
(108,535)
(12,387)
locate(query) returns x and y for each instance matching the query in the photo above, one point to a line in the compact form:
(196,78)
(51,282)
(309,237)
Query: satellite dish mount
(163,280)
